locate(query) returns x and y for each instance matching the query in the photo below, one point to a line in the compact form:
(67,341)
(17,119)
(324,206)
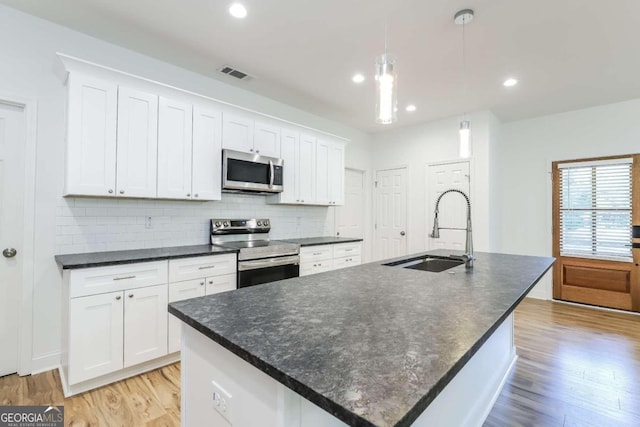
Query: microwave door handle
(271,173)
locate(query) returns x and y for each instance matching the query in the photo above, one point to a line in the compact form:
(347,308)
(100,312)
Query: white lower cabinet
(318,259)
(95,338)
(221,271)
(145,326)
(180,291)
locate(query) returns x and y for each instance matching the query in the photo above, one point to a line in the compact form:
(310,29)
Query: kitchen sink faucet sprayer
(468,255)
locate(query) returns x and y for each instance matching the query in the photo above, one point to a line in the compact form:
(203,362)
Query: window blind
(595,209)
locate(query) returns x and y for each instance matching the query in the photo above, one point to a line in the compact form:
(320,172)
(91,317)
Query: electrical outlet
(221,401)
(147,222)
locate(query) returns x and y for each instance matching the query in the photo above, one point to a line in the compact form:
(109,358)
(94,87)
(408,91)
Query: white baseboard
(45,362)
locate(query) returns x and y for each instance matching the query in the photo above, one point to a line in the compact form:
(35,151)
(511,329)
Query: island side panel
(470,395)
(256,399)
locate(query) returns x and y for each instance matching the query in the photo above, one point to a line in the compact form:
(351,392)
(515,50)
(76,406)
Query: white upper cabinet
(322,172)
(137,151)
(266,139)
(306,169)
(289,148)
(174,149)
(237,133)
(91,137)
(336,173)
(207,153)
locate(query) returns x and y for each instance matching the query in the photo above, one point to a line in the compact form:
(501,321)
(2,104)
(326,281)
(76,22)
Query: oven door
(251,172)
(257,272)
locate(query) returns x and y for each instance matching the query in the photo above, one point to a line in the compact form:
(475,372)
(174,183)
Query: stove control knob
(218,224)
(226,223)
(266,223)
(259,223)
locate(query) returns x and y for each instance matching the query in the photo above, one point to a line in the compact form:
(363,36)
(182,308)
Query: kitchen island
(371,345)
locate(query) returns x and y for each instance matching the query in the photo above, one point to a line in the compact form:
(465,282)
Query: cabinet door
(266,140)
(137,143)
(180,291)
(237,133)
(91,137)
(174,149)
(95,336)
(336,173)
(289,152)
(207,154)
(322,173)
(217,284)
(306,169)
(145,324)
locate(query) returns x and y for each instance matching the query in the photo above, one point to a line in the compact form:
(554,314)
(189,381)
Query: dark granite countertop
(371,344)
(101,259)
(317,241)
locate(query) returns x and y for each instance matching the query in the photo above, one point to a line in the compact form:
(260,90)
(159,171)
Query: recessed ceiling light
(411,108)
(237,10)
(357,78)
(510,82)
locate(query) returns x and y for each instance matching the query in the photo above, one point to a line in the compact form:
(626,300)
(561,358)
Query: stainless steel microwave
(251,172)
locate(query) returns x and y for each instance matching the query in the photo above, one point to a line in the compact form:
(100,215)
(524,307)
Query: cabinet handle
(195,195)
(121,191)
(201,283)
(302,201)
(207,267)
(258,151)
(317,253)
(111,191)
(251,149)
(124,278)
(188,194)
(347,250)
(315,265)
(130,295)
(211,282)
(118,298)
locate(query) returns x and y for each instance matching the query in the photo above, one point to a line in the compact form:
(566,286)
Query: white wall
(417,146)
(525,152)
(28,61)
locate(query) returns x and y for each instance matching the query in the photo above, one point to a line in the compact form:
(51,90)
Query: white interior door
(350,217)
(453,208)
(12,142)
(391,213)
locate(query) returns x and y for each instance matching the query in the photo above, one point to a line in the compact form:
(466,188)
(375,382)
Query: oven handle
(269,262)
(271,173)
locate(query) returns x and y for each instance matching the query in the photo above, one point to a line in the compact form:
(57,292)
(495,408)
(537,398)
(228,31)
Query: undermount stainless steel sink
(428,263)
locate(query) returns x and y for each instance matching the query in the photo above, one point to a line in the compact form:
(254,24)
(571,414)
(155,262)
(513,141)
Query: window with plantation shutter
(595,209)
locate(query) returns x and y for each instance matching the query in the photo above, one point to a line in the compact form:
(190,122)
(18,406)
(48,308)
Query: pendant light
(386,87)
(464,17)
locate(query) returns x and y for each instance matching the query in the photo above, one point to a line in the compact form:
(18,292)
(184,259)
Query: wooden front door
(595,203)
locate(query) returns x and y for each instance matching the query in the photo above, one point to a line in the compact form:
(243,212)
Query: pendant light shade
(386,90)
(462,18)
(465,139)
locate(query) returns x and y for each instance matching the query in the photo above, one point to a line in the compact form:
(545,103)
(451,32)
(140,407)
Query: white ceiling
(567,54)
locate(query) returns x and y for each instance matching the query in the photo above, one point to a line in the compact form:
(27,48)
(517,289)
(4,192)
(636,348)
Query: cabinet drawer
(201,267)
(219,284)
(349,261)
(100,280)
(316,253)
(347,250)
(315,267)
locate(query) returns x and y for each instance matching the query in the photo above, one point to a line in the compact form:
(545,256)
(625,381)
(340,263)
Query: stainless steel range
(260,260)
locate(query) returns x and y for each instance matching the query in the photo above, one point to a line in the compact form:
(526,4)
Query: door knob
(402,233)
(9,252)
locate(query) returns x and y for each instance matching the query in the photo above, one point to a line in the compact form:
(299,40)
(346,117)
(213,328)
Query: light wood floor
(577,367)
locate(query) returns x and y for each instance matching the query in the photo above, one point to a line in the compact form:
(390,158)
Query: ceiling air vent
(235,73)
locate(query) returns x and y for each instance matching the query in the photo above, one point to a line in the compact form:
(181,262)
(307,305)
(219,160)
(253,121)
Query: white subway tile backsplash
(94,224)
